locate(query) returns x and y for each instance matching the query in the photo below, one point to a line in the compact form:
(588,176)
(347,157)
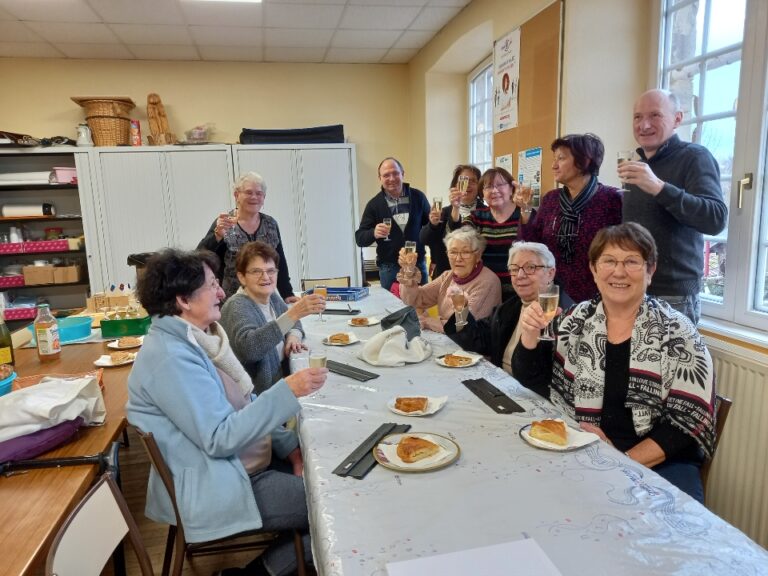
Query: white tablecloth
(593,511)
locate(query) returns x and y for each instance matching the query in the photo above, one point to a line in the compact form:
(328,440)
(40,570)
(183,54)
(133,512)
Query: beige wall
(36,99)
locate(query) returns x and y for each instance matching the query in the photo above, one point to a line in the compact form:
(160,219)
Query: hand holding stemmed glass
(226,224)
(523,197)
(459,299)
(321,290)
(621,157)
(388,223)
(436,213)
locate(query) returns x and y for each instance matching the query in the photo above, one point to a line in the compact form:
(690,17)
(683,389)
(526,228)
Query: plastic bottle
(47,334)
(7,360)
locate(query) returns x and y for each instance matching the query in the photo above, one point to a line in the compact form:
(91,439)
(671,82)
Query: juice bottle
(7,361)
(47,334)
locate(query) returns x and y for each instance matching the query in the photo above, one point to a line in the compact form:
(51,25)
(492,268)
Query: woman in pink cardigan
(481,286)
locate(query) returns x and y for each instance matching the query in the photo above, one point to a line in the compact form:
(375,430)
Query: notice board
(538,113)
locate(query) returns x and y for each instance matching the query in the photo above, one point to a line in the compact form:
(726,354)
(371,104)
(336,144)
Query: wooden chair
(337,282)
(92,532)
(176,542)
(722,408)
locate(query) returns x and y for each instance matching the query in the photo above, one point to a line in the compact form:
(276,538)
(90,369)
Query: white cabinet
(149,198)
(312,193)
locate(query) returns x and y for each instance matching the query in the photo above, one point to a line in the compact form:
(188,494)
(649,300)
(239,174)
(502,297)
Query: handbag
(405,317)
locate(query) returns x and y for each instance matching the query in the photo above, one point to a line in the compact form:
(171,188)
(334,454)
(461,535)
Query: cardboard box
(35,275)
(96,302)
(66,274)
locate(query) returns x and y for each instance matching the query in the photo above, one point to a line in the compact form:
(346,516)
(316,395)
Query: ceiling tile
(50,10)
(399,56)
(302,15)
(314,2)
(378,18)
(226,35)
(365,38)
(17,32)
(28,50)
(455,3)
(413,39)
(152,34)
(99,51)
(138,11)
(222,14)
(355,55)
(434,18)
(389,3)
(154,52)
(274,54)
(74,33)
(297,37)
(231,53)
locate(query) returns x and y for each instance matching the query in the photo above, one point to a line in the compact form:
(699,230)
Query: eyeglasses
(463,253)
(500,186)
(257,193)
(631,264)
(259,273)
(527,269)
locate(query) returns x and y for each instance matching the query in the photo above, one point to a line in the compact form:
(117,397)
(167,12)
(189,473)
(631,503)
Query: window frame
(484,68)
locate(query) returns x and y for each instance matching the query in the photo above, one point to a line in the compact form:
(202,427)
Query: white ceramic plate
(115,346)
(372,321)
(385,453)
(474,359)
(352,339)
(434,403)
(576,439)
(105,361)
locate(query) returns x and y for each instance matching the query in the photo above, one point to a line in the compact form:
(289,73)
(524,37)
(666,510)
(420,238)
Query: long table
(34,504)
(593,511)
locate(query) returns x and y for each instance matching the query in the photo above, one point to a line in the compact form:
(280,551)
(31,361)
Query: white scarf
(215,344)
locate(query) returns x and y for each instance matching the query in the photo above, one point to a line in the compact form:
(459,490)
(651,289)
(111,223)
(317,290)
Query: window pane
(761,283)
(480,115)
(726,23)
(719,136)
(722,84)
(686,28)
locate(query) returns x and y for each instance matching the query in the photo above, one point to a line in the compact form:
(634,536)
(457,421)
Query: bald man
(674,191)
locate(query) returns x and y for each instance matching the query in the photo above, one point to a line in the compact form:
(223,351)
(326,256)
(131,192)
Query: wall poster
(506,80)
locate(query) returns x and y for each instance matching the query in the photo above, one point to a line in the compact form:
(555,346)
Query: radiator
(738,481)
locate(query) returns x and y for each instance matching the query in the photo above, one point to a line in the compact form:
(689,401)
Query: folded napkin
(392,348)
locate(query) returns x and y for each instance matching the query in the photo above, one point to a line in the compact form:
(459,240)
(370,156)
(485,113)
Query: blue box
(345,294)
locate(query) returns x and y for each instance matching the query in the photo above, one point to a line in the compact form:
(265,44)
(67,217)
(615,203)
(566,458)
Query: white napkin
(391,348)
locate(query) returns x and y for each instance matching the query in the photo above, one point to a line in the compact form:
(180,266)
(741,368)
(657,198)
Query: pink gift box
(12,281)
(20,313)
(11,247)
(46,246)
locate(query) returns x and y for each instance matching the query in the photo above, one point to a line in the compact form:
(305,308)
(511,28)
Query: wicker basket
(108,118)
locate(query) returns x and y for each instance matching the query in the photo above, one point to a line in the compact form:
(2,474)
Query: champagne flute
(322,290)
(463,183)
(388,223)
(526,196)
(437,203)
(318,359)
(410,248)
(549,298)
(621,157)
(459,300)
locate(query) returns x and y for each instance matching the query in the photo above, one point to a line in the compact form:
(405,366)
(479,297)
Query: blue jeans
(388,273)
(685,475)
(689,305)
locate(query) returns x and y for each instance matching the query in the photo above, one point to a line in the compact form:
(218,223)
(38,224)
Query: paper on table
(525,555)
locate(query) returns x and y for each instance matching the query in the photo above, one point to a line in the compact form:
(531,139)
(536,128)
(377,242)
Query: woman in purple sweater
(569,217)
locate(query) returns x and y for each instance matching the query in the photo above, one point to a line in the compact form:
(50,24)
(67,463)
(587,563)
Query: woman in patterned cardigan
(628,367)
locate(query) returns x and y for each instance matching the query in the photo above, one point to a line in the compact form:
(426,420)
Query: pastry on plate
(412,449)
(456,361)
(411,404)
(121,357)
(340,338)
(359,321)
(553,431)
(128,342)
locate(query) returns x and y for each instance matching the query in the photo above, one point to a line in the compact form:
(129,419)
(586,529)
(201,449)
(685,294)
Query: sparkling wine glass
(462,184)
(549,298)
(322,290)
(410,248)
(388,223)
(459,300)
(318,359)
(621,157)
(437,203)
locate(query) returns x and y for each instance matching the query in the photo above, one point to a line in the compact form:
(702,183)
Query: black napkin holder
(361,460)
(492,396)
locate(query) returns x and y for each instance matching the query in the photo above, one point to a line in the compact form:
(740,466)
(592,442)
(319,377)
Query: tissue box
(66,274)
(34,275)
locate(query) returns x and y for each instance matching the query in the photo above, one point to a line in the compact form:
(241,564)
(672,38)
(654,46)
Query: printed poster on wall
(506,80)
(529,172)
(504,162)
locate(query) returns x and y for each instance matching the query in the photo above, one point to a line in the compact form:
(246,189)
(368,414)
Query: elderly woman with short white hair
(246,223)
(480,286)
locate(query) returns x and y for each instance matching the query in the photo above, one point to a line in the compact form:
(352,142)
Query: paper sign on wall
(529,172)
(504,162)
(506,80)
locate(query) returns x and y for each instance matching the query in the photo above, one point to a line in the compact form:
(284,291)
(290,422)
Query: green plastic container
(125,327)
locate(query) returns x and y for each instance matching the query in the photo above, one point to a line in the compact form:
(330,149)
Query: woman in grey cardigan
(262,329)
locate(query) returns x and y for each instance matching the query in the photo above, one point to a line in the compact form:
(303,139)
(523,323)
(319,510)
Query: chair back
(92,531)
(722,409)
(337,282)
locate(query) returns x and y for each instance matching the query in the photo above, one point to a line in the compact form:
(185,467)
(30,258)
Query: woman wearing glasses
(498,222)
(627,366)
(569,217)
(467,275)
(230,231)
(262,330)
(532,267)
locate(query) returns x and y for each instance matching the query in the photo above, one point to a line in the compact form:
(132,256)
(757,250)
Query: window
(481,116)
(708,59)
